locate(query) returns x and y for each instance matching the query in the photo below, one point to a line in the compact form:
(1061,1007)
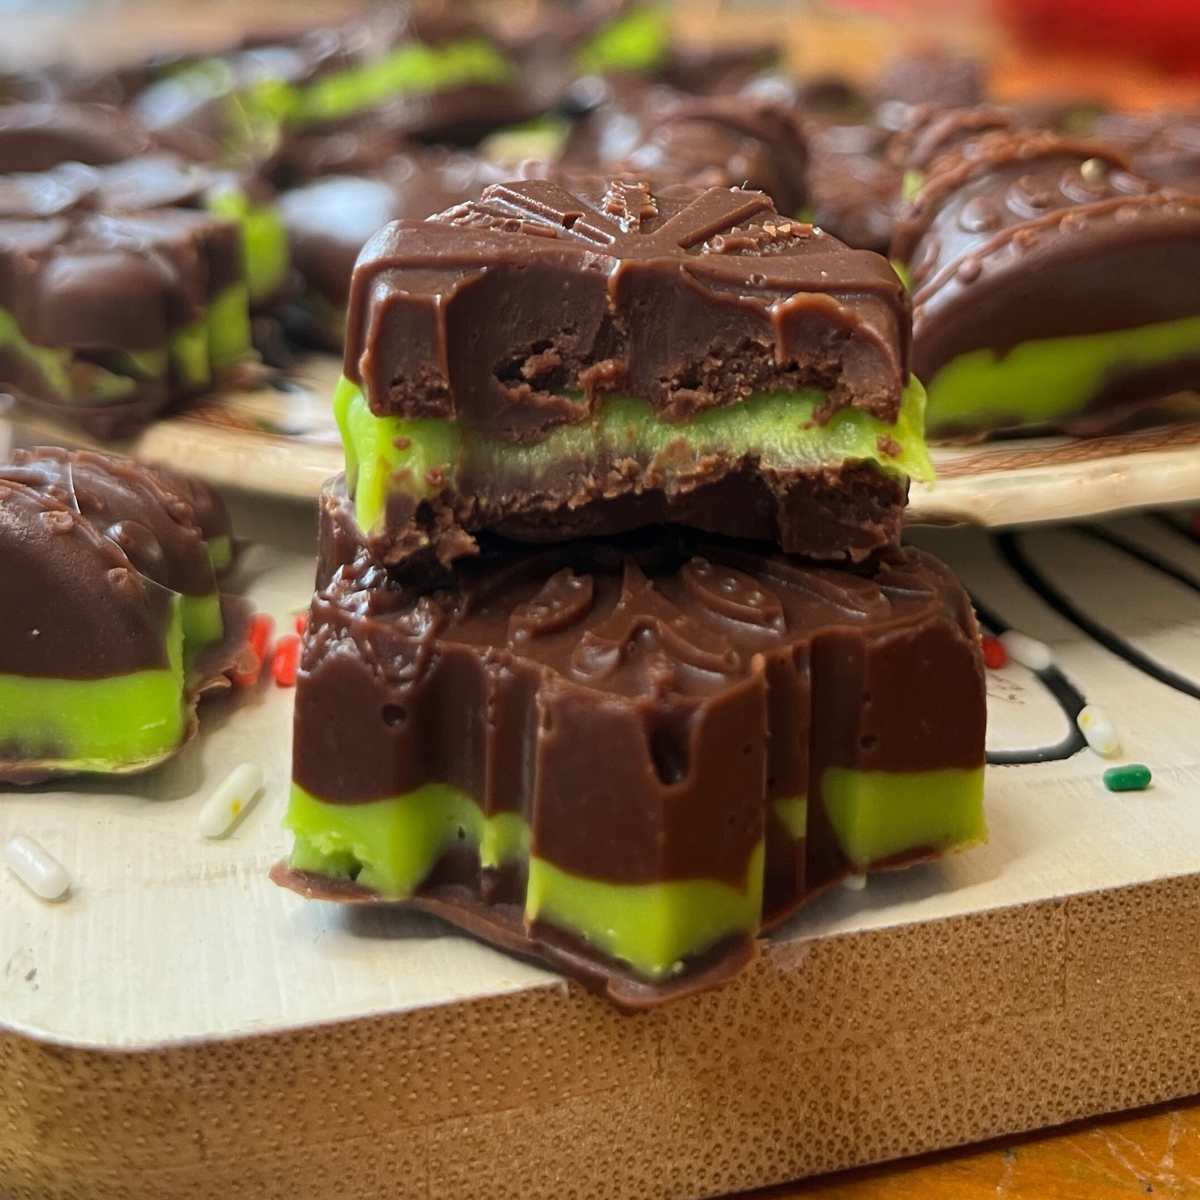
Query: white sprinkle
(36,868)
(221,810)
(854,882)
(1029,652)
(1094,724)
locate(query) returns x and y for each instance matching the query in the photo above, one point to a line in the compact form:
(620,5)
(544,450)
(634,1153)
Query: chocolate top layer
(150,515)
(72,604)
(1105,250)
(114,282)
(37,136)
(501,311)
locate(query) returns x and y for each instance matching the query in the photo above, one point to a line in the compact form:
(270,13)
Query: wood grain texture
(1155,1153)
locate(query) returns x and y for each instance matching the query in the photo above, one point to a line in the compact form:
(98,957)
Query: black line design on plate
(1189,531)
(1010,548)
(1070,699)
(1146,557)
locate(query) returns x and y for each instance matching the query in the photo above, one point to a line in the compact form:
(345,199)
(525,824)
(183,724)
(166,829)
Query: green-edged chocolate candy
(390,846)
(638,40)
(120,723)
(654,927)
(879,816)
(412,68)
(1050,378)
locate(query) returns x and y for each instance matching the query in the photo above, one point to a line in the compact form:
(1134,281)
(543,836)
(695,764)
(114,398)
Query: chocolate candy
(1163,147)
(626,758)
(550,364)
(329,220)
(113,620)
(854,189)
(666,137)
(36,136)
(1050,285)
(114,305)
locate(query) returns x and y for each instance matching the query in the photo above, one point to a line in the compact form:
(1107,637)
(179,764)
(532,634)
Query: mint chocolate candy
(113,620)
(628,757)
(1051,285)
(550,363)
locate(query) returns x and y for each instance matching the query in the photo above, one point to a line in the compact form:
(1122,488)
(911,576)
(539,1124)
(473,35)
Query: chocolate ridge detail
(790,305)
(968,161)
(656,689)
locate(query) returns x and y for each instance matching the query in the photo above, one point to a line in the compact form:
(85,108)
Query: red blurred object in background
(1166,32)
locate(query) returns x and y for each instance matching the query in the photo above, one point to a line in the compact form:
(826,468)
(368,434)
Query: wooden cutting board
(181,1028)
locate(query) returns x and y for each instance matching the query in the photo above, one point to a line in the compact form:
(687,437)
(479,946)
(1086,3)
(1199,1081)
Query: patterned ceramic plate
(280,439)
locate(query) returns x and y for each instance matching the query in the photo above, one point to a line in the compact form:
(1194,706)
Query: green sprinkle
(1132,777)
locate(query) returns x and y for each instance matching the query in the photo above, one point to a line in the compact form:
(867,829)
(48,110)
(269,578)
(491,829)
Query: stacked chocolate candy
(615,658)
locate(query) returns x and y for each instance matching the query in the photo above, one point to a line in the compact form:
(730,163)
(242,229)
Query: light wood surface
(1152,1153)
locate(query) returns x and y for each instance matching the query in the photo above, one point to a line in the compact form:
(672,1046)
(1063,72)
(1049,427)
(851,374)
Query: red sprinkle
(994,654)
(248,668)
(301,623)
(286,661)
(259,636)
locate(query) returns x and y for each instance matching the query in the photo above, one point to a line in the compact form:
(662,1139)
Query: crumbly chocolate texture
(1109,253)
(517,312)
(830,513)
(642,706)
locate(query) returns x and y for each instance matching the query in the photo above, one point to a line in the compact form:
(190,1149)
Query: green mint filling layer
(385,453)
(651,926)
(189,355)
(264,241)
(220,552)
(229,326)
(877,815)
(390,846)
(1050,378)
(792,811)
(412,68)
(98,724)
(202,621)
(637,41)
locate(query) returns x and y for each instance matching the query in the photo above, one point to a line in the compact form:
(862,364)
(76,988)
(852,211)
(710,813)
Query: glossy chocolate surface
(639,703)
(73,603)
(155,517)
(494,312)
(1017,236)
